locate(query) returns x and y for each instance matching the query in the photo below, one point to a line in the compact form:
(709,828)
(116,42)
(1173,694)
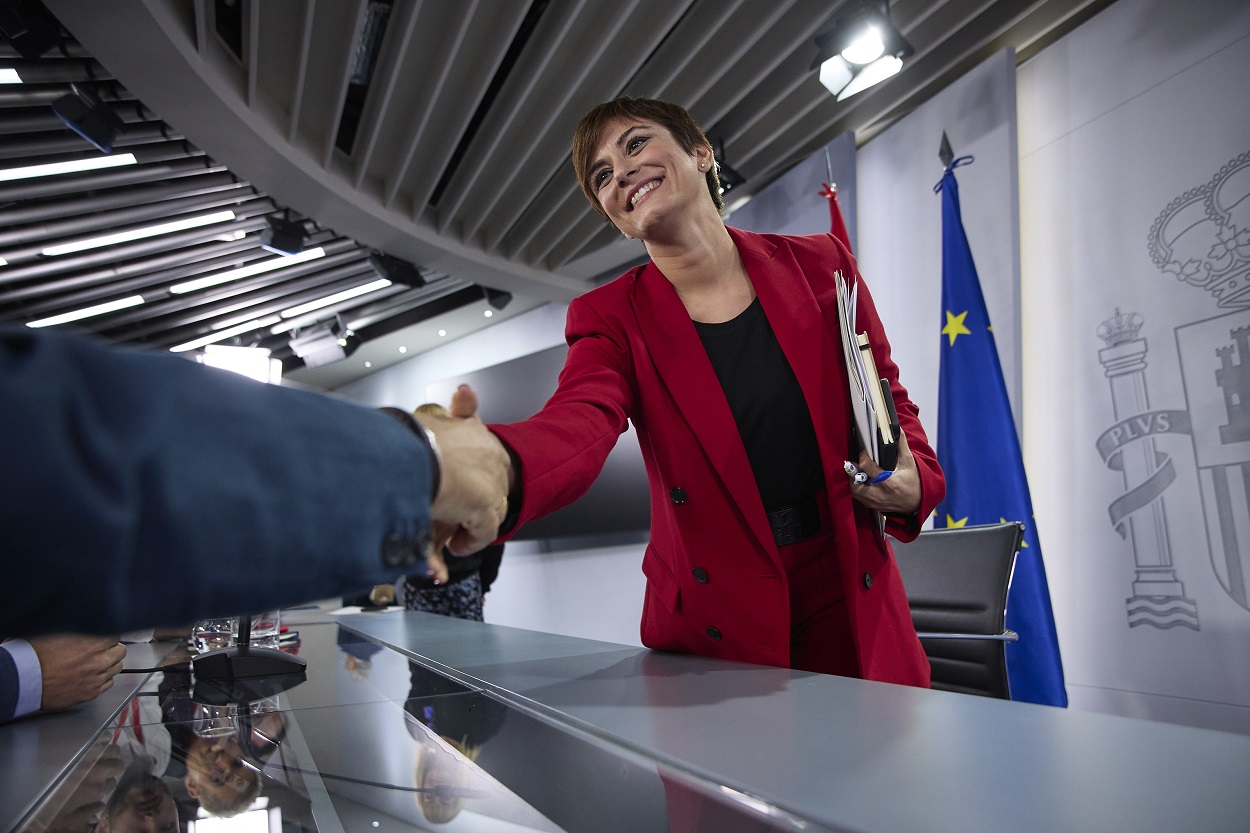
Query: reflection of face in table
(142,803)
(218,778)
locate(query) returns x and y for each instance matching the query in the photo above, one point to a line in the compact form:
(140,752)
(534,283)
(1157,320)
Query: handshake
(477,476)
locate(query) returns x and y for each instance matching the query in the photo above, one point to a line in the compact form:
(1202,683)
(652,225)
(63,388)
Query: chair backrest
(957,582)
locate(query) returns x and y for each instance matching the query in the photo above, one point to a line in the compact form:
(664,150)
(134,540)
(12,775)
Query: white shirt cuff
(29,676)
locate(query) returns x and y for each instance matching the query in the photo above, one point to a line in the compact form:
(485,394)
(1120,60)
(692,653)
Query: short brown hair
(672,117)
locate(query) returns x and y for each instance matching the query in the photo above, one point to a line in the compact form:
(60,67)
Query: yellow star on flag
(951,523)
(955,326)
(1023,543)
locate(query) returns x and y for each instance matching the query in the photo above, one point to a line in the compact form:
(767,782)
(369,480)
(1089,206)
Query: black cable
(177,666)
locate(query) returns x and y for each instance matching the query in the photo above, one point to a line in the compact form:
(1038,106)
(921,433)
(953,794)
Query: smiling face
(642,177)
(597,141)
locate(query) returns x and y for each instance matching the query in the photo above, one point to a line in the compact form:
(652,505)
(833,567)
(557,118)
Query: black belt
(791,524)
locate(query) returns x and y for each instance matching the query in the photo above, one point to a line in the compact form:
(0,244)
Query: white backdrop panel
(1151,623)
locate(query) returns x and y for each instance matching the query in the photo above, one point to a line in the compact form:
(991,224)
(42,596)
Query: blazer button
(678,495)
(398,551)
(700,575)
(713,634)
(867,581)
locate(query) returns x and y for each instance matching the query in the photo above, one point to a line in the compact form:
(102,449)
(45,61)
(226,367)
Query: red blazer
(634,355)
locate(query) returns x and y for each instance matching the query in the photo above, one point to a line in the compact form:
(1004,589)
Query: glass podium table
(411,722)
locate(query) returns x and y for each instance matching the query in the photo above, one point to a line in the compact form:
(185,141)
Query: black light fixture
(729,178)
(497,298)
(283,235)
(859,48)
(89,117)
(29,27)
(396,270)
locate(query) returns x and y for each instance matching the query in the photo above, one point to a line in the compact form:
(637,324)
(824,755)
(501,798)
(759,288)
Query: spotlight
(396,270)
(283,235)
(325,343)
(497,298)
(859,49)
(89,117)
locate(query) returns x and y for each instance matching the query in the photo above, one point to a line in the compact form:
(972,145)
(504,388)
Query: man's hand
(472,499)
(76,668)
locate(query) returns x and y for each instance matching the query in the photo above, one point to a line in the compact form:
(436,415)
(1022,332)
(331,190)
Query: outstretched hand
(472,499)
(898,494)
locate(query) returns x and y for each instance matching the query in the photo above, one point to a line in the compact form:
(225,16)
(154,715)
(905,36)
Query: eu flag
(980,454)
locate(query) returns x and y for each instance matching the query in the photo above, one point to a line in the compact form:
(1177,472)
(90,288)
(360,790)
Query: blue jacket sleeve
(140,489)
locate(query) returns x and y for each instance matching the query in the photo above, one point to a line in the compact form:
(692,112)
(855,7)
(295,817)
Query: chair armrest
(1005,636)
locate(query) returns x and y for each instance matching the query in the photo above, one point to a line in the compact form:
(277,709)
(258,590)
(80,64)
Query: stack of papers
(876,422)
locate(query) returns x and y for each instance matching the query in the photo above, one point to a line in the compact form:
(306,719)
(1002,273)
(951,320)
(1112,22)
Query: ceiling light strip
(88,312)
(329,300)
(92,163)
(138,234)
(222,335)
(247,271)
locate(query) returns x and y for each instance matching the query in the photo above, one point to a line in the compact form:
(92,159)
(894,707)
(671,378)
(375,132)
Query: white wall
(1143,105)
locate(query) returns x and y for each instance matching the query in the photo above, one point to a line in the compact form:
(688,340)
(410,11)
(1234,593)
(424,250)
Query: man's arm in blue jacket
(139,489)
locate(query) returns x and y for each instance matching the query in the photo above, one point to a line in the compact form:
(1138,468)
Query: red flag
(837,226)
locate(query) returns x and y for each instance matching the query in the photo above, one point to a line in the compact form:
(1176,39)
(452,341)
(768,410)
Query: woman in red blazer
(725,353)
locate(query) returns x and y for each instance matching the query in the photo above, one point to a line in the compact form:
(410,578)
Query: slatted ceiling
(89,288)
(16,222)
(595,234)
(327,69)
(18,250)
(382,97)
(251,298)
(166,324)
(571,86)
(118,278)
(433,112)
(693,40)
(503,96)
(530,239)
(493,139)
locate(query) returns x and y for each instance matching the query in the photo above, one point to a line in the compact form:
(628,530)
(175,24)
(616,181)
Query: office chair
(957,582)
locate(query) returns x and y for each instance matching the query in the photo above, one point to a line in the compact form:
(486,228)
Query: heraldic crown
(1120,329)
(1203,236)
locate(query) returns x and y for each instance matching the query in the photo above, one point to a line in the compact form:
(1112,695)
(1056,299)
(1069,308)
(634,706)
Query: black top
(767,404)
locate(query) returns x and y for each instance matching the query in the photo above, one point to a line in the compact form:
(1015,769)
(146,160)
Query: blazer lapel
(682,363)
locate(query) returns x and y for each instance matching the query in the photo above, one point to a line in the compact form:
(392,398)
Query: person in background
(724,351)
(55,672)
(454,586)
(141,489)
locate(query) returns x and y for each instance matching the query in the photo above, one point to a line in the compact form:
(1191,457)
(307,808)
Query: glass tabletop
(372,741)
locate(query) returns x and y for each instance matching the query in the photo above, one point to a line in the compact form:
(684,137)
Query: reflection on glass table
(352,753)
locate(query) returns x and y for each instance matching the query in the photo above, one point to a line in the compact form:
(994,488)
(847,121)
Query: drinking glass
(211,634)
(265,627)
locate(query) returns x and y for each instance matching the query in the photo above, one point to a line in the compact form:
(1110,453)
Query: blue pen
(881,478)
